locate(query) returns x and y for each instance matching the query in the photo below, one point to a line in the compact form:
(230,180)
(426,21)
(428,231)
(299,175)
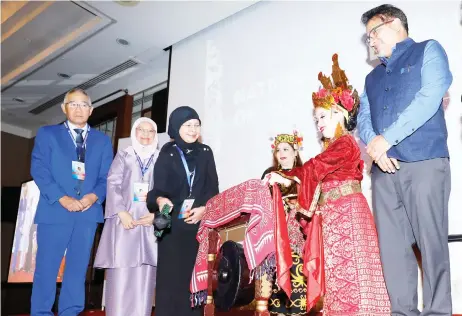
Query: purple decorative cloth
(118,247)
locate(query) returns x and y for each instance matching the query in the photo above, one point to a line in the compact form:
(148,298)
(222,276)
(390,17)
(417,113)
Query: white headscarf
(144,151)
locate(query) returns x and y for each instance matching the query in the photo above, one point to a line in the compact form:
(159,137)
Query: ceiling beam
(9,8)
(51,49)
(25,19)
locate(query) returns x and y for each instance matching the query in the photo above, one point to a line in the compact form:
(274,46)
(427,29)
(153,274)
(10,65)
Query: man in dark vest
(401,120)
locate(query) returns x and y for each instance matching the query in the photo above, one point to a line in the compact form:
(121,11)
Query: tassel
(339,131)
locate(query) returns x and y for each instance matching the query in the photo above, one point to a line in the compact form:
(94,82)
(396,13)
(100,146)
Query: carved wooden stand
(209,309)
(262,287)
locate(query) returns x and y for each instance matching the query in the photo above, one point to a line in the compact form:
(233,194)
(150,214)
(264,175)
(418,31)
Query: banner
(24,250)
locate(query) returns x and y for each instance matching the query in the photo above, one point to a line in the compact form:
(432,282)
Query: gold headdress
(336,91)
(295,139)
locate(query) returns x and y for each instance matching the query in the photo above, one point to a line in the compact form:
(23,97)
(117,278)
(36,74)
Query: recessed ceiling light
(122,42)
(63,75)
(18,100)
(128,3)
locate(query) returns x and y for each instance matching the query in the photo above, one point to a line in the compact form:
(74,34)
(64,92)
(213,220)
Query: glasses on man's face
(191,126)
(146,131)
(74,105)
(373,33)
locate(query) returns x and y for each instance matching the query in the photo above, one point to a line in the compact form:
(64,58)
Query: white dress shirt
(74,134)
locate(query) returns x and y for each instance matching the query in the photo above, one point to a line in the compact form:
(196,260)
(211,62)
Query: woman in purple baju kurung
(128,247)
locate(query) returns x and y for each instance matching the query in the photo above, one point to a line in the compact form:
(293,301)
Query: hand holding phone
(161,202)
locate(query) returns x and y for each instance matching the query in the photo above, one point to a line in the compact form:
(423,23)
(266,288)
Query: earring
(339,131)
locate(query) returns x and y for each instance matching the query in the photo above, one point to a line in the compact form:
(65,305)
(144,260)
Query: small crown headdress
(336,91)
(295,139)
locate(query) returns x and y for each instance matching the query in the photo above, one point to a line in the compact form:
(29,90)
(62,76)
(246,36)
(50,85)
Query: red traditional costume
(341,255)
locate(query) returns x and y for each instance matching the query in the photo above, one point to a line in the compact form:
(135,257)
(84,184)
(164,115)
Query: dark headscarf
(177,118)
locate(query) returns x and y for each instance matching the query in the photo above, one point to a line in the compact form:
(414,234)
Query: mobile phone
(166,209)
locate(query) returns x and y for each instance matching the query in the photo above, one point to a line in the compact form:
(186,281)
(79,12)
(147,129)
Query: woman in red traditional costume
(341,255)
(286,157)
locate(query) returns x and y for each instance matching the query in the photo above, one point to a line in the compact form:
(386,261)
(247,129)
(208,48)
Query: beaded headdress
(295,139)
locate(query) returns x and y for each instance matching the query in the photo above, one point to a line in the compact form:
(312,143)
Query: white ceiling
(149,27)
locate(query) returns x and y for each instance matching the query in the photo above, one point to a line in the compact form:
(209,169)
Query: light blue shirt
(436,79)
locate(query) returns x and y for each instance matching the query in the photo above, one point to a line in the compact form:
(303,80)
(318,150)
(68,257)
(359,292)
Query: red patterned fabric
(313,261)
(352,288)
(296,236)
(249,197)
(353,270)
(283,251)
(340,161)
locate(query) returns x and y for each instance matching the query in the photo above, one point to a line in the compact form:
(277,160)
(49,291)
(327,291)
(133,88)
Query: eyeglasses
(191,126)
(146,131)
(74,105)
(374,31)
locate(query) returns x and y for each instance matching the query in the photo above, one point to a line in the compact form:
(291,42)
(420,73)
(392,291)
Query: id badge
(186,208)
(140,191)
(78,170)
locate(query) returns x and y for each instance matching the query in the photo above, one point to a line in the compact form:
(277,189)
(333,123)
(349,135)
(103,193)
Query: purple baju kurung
(129,255)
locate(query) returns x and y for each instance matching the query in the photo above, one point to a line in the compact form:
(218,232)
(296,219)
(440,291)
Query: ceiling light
(18,100)
(63,75)
(122,42)
(128,3)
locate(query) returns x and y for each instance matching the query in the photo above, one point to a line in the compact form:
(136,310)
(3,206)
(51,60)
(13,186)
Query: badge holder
(78,166)
(78,170)
(185,210)
(140,191)
(141,188)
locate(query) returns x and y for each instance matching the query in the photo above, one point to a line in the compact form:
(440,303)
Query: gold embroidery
(296,304)
(302,211)
(314,203)
(336,193)
(275,301)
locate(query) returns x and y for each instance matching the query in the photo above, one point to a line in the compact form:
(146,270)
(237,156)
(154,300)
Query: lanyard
(144,169)
(189,175)
(73,138)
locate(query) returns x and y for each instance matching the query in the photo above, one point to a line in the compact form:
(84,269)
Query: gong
(233,287)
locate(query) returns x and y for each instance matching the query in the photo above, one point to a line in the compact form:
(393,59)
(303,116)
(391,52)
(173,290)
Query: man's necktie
(79,142)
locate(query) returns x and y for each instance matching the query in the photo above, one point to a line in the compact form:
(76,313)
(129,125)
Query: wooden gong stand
(262,287)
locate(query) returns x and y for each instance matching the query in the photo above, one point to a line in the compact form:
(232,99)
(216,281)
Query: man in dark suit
(69,208)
